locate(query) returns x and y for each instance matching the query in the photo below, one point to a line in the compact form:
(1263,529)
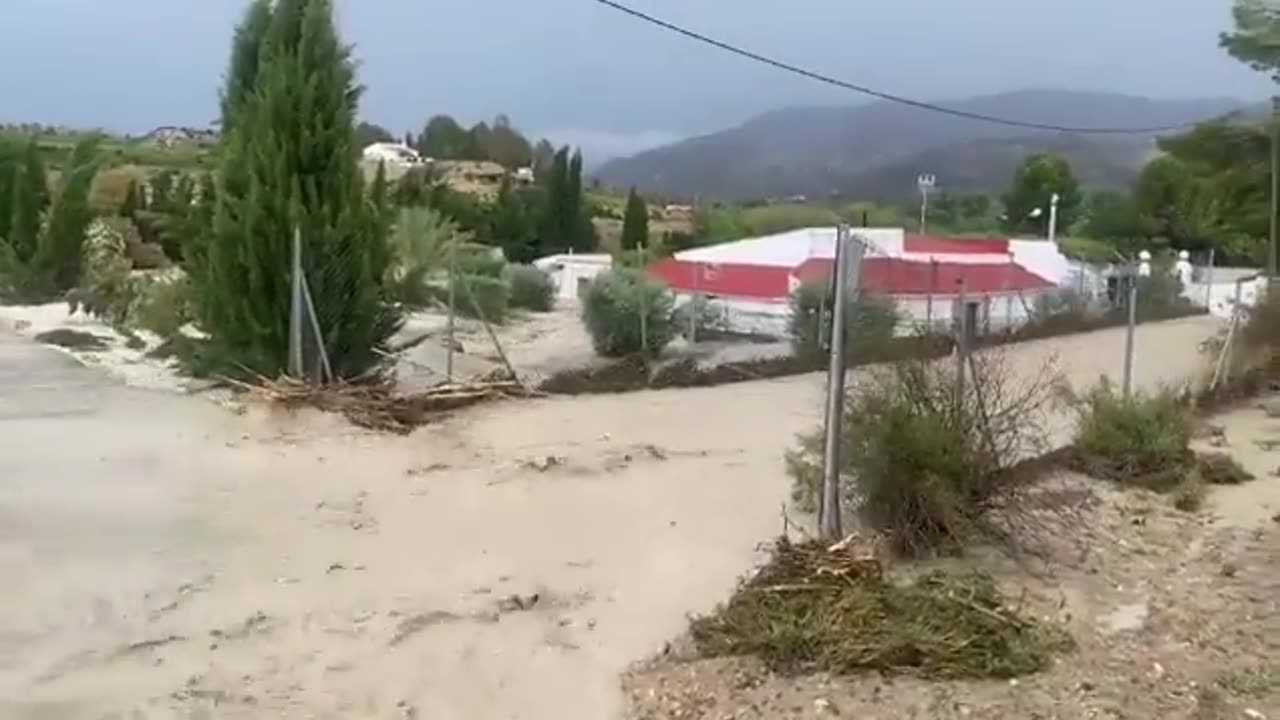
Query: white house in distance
(571,272)
(751,280)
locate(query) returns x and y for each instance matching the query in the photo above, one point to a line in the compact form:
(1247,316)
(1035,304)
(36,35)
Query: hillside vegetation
(875,151)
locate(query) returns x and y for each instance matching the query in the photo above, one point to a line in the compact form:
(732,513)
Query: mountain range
(876,151)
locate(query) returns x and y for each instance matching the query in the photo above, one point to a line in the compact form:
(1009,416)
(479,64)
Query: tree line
(444,138)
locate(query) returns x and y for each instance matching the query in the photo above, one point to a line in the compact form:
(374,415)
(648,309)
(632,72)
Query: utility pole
(1053,217)
(926,183)
(1275,188)
(848,265)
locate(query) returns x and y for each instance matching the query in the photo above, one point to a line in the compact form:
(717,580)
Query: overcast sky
(580,72)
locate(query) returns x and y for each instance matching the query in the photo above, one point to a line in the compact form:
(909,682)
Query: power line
(890,97)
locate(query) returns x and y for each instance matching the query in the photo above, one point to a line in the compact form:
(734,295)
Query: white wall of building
(996,312)
(571,273)
(1220,296)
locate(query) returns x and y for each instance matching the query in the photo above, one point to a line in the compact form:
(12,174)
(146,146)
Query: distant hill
(875,151)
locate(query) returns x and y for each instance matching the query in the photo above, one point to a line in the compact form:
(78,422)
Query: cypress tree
(30,201)
(246,47)
(10,155)
(289,161)
(60,251)
(577,220)
(635,222)
(555,232)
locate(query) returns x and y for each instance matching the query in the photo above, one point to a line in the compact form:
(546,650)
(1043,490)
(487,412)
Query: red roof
(928,244)
(891,276)
(895,276)
(760,282)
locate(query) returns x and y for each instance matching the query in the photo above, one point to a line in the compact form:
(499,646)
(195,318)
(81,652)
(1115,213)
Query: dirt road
(172,558)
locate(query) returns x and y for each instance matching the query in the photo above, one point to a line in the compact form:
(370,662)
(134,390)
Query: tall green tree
(1210,188)
(61,249)
(580,231)
(30,202)
(1255,40)
(370,133)
(289,162)
(513,222)
(635,222)
(507,146)
(544,154)
(1034,183)
(10,166)
(443,139)
(246,50)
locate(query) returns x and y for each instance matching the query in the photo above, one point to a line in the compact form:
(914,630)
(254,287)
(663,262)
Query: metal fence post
(1208,284)
(933,286)
(453,287)
(962,338)
(1008,294)
(295,365)
(1129,332)
(693,306)
(848,262)
(644,306)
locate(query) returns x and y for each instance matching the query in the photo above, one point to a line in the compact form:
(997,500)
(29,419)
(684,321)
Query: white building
(751,280)
(571,272)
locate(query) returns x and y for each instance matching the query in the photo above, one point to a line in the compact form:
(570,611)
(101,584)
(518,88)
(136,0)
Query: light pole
(1053,217)
(925,182)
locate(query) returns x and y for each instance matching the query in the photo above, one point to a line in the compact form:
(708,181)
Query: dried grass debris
(376,405)
(814,608)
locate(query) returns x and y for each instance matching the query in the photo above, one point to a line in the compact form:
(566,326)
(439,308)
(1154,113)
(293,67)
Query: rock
(823,706)
(1254,714)
(1271,407)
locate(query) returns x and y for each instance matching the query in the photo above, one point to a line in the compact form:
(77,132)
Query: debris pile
(376,405)
(814,608)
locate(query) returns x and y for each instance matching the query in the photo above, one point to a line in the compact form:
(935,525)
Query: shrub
(923,467)
(531,288)
(612,307)
(870,321)
(481,263)
(162,306)
(482,297)
(1189,495)
(1138,440)
(1221,469)
(699,316)
(1160,296)
(1260,335)
(106,288)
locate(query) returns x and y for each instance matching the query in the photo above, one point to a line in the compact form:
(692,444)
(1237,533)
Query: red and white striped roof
(769,268)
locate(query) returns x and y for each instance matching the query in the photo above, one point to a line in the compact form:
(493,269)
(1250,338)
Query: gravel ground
(1175,614)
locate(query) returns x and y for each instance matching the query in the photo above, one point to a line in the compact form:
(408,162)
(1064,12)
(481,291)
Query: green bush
(869,322)
(612,308)
(482,297)
(699,316)
(531,288)
(162,306)
(1138,440)
(923,467)
(1160,296)
(481,264)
